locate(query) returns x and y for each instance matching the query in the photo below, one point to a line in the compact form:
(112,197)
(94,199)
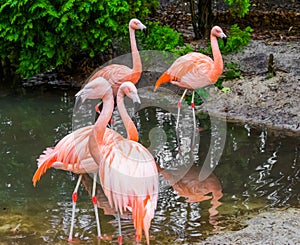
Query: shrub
(39,35)
(239,7)
(164,38)
(237,39)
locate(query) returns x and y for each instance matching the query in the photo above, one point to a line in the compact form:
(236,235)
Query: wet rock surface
(276,227)
(50,80)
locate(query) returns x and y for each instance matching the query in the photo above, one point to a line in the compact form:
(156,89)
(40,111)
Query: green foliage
(237,39)
(161,37)
(239,7)
(39,35)
(231,71)
(164,38)
(201,95)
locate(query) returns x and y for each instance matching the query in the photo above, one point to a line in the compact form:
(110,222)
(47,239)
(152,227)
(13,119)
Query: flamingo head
(96,89)
(136,24)
(218,32)
(129,89)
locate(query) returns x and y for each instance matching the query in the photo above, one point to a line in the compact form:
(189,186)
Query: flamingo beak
(224,38)
(136,101)
(143,28)
(146,32)
(136,106)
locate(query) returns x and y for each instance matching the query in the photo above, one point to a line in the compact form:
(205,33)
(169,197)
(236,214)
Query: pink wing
(191,71)
(129,178)
(71,153)
(73,148)
(114,74)
(127,162)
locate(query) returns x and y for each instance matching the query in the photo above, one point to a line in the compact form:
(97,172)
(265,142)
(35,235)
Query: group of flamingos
(127,170)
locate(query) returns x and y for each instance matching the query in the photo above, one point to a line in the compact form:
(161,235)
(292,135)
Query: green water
(258,170)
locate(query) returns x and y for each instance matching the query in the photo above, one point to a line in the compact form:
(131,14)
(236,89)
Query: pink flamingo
(195,70)
(117,74)
(127,170)
(72,152)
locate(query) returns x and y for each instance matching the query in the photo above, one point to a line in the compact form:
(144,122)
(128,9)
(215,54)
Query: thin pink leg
(193,109)
(120,238)
(74,200)
(97,107)
(94,200)
(179,107)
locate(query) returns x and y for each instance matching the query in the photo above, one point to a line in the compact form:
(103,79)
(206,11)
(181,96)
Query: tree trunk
(194,19)
(204,17)
(201,18)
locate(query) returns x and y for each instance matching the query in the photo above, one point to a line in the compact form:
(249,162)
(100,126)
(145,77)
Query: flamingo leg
(74,200)
(193,109)
(179,107)
(111,121)
(97,107)
(94,200)
(120,238)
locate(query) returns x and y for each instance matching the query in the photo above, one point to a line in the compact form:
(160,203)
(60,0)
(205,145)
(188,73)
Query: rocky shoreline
(274,227)
(257,98)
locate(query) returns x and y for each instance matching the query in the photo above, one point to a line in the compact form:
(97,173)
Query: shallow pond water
(257,170)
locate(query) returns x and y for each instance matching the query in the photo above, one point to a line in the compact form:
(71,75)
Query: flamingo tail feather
(164,78)
(45,161)
(142,214)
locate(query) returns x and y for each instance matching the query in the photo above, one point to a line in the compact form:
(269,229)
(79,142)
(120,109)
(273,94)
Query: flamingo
(127,170)
(195,70)
(117,74)
(72,152)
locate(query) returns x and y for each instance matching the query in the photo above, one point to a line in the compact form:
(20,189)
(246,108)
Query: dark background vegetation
(72,38)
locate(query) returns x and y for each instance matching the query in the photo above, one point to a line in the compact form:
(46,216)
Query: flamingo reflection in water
(190,187)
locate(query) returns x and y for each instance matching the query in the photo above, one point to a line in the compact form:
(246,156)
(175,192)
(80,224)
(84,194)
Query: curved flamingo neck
(136,59)
(218,61)
(103,119)
(132,133)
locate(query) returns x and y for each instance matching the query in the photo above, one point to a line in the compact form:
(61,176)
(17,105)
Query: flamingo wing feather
(69,151)
(129,178)
(191,71)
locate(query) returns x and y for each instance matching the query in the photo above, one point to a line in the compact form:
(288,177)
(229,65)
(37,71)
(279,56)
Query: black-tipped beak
(137,106)
(224,40)
(145,30)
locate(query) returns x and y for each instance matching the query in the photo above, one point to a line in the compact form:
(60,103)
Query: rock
(276,227)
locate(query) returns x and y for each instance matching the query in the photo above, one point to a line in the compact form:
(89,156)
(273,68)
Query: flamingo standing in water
(127,170)
(72,152)
(117,74)
(195,70)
